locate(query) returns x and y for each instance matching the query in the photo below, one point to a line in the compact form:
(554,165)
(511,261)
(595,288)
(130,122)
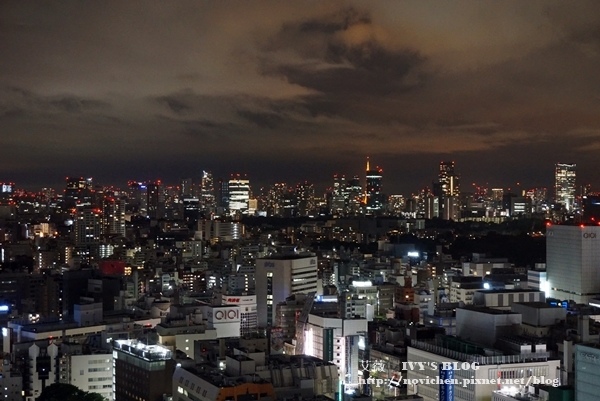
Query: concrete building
(538,317)
(485,325)
(338,341)
(572,260)
(248,313)
(278,277)
(462,288)
(141,372)
(587,371)
(493,372)
(91,373)
(504,299)
(564,179)
(191,385)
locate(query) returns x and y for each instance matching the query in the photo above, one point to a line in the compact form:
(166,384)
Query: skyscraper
(207,192)
(448,179)
(572,260)
(239,195)
(564,178)
(447,189)
(113,216)
(374,196)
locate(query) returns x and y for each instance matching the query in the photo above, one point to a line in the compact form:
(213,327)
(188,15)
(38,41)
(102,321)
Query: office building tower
(207,192)
(239,195)
(155,200)
(374,196)
(141,372)
(278,277)
(137,198)
(448,180)
(275,198)
(87,226)
(572,261)
(338,195)
(113,216)
(86,233)
(78,191)
(305,194)
(564,179)
(186,189)
(354,194)
(447,189)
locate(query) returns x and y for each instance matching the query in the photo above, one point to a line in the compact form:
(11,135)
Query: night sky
(293,90)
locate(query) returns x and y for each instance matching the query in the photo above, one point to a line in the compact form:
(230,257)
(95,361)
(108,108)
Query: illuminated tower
(564,178)
(373,195)
(239,195)
(87,229)
(305,193)
(448,179)
(448,191)
(207,192)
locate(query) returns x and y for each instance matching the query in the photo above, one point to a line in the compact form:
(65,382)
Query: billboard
(238,300)
(225,314)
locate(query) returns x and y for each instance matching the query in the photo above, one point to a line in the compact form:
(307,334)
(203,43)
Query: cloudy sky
(292,90)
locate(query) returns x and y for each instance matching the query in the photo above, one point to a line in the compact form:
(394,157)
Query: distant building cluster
(207,290)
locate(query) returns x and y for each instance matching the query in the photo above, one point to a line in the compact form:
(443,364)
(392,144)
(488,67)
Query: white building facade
(572,261)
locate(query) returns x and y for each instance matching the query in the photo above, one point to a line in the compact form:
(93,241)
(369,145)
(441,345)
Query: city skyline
(286,92)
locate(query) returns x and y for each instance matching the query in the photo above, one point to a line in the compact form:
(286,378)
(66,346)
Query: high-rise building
(137,198)
(207,192)
(448,179)
(113,216)
(77,192)
(155,200)
(86,232)
(564,178)
(186,189)
(239,195)
(572,260)
(278,277)
(374,196)
(448,190)
(275,198)
(305,193)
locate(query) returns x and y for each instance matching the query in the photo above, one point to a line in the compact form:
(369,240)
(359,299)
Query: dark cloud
(262,120)
(176,105)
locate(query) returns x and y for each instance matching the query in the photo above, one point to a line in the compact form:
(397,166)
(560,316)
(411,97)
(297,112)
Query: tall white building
(337,340)
(572,261)
(278,277)
(239,195)
(564,177)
